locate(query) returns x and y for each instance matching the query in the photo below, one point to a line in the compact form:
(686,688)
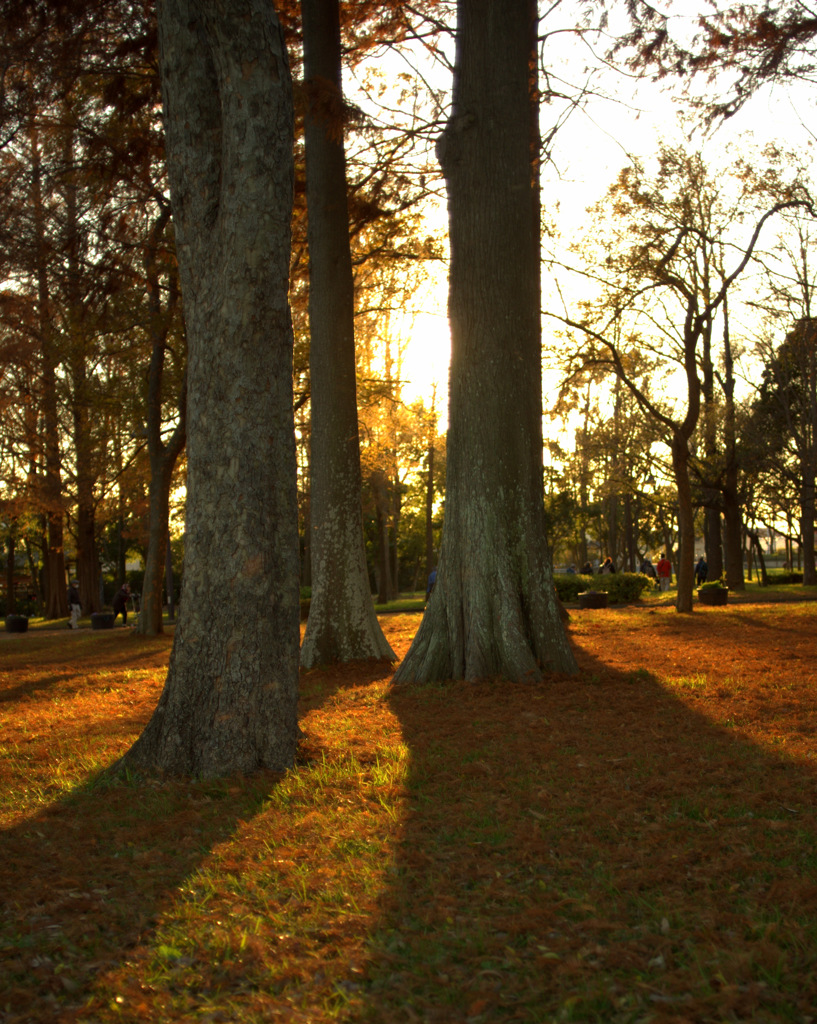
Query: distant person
(571,569)
(701,571)
(74,607)
(607,566)
(664,572)
(432,579)
(587,569)
(120,603)
(647,568)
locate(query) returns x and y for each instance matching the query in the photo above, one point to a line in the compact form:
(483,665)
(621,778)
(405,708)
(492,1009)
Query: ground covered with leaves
(633,844)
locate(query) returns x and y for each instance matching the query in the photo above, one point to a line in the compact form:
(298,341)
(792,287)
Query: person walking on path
(664,572)
(74,607)
(701,571)
(120,603)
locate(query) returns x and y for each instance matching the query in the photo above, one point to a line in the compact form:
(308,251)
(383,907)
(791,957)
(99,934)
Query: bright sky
(590,150)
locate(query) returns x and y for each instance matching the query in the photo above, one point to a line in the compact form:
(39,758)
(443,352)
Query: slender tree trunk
(230,699)
(54,582)
(685,568)
(754,544)
(712,533)
(807,524)
(11,602)
(732,532)
(170,582)
(733,512)
(342,624)
(431,560)
(493,611)
(381,505)
(395,549)
(150,609)
(163,456)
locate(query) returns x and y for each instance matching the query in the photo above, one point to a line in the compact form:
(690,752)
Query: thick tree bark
(493,611)
(229,702)
(342,624)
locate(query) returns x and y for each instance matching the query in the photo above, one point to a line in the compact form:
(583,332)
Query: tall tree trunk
(163,456)
(54,582)
(381,507)
(170,582)
(230,699)
(754,544)
(431,560)
(81,401)
(493,610)
(397,493)
(150,608)
(807,523)
(11,602)
(342,624)
(685,568)
(732,533)
(733,512)
(809,461)
(712,533)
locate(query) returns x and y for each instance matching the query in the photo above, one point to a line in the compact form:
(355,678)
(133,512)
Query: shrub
(778,576)
(22,606)
(712,585)
(570,585)
(621,587)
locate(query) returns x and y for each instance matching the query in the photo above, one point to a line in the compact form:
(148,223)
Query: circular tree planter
(593,599)
(16,623)
(713,595)
(102,620)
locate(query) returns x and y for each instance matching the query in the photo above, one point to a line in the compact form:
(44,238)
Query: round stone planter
(713,595)
(16,623)
(102,620)
(593,599)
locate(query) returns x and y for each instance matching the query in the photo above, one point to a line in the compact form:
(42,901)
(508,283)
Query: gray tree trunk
(493,610)
(229,702)
(342,624)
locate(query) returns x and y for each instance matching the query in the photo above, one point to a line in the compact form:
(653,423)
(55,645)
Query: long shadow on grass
(85,880)
(594,849)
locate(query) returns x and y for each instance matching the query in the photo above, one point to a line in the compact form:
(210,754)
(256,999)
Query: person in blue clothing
(432,579)
(701,571)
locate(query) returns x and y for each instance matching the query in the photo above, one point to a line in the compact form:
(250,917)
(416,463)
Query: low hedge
(621,587)
(778,576)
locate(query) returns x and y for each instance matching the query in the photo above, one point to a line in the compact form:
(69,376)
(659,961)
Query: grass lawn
(635,844)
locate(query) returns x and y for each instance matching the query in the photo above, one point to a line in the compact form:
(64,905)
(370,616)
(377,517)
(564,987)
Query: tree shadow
(85,878)
(594,849)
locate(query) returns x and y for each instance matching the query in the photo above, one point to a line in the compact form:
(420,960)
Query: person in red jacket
(664,572)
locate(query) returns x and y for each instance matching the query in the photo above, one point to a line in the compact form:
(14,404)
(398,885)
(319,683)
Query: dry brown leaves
(637,843)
